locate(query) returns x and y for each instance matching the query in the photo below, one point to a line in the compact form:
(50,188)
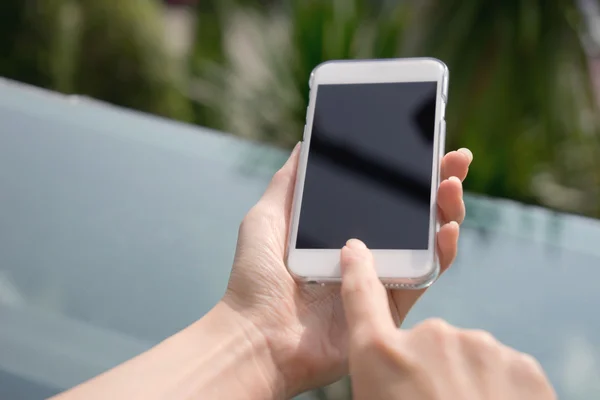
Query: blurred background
(524,77)
(524,87)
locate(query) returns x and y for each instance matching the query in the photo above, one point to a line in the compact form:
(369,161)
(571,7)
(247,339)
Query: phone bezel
(396,268)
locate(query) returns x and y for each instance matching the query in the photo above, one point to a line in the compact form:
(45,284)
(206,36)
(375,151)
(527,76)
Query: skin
(269,337)
(432,361)
(305,325)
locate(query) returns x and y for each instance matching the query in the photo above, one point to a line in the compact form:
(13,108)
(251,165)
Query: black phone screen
(369,166)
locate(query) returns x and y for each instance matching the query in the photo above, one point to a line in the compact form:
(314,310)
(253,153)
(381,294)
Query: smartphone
(369,168)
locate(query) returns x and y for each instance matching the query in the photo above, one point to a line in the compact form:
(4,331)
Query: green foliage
(27,40)
(255,85)
(208,49)
(520,97)
(122,57)
(520,92)
(112,50)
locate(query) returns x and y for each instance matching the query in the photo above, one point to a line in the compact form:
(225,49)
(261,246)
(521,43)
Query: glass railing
(118,228)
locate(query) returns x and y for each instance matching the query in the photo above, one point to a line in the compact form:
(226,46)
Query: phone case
(392,283)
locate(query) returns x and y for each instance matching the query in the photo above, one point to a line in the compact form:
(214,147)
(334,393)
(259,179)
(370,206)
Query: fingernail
(455,179)
(467,153)
(454,223)
(355,244)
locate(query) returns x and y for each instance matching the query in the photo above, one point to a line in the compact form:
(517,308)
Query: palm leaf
(123,59)
(520,92)
(259,89)
(520,85)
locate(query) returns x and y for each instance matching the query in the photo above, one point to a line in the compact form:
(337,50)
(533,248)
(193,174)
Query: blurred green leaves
(123,58)
(255,85)
(520,97)
(112,50)
(520,92)
(27,40)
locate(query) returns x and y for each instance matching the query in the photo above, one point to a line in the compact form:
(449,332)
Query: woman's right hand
(431,361)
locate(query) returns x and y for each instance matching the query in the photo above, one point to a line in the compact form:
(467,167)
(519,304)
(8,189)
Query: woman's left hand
(304,326)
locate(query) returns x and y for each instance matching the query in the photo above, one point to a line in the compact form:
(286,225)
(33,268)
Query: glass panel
(529,276)
(117,229)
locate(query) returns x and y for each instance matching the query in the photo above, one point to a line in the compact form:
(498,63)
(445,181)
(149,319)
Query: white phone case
(396,268)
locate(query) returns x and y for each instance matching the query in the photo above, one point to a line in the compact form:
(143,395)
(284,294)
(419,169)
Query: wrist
(237,360)
(218,357)
(282,340)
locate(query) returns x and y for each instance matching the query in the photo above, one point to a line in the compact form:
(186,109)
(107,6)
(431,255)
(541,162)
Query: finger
(456,163)
(450,201)
(280,191)
(447,243)
(365,299)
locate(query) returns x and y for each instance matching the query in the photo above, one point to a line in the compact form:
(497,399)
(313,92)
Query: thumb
(365,299)
(281,189)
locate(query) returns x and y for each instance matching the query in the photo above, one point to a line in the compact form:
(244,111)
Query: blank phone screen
(369,170)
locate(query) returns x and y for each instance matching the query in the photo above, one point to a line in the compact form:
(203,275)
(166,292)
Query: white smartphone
(369,169)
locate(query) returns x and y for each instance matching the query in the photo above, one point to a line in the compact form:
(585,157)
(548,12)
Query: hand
(431,361)
(304,325)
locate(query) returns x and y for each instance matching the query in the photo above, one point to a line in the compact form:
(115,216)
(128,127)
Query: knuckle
(481,340)
(527,367)
(437,333)
(352,287)
(249,219)
(373,341)
(482,348)
(243,226)
(437,336)
(259,214)
(357,285)
(436,326)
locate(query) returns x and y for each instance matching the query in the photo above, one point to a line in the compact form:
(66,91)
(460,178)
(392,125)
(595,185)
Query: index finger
(365,299)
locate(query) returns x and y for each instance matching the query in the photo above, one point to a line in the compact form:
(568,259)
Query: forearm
(220,356)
